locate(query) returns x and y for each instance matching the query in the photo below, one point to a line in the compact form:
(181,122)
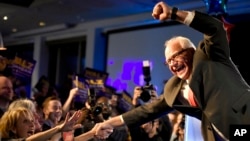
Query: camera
(145,95)
(96,109)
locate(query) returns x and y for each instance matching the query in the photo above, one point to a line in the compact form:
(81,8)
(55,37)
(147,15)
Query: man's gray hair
(183,41)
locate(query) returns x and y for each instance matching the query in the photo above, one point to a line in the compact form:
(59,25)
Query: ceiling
(26,14)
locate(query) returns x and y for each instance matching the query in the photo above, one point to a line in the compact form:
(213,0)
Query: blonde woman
(30,105)
(19,124)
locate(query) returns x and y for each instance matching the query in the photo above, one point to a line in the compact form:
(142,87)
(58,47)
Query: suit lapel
(172,89)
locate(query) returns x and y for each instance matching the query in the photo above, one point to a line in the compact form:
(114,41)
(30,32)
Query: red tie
(191,97)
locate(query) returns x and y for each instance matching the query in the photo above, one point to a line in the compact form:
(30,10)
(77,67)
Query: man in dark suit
(220,94)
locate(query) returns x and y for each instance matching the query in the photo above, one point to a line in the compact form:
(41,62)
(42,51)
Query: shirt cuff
(121,118)
(189,18)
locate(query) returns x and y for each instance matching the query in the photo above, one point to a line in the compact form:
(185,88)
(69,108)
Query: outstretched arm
(106,128)
(67,125)
(66,106)
(90,134)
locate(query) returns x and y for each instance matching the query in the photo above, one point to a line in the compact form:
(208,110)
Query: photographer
(138,94)
(99,112)
(156,130)
(93,112)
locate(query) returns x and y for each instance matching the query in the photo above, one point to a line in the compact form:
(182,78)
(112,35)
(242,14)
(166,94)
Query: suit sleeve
(146,112)
(215,43)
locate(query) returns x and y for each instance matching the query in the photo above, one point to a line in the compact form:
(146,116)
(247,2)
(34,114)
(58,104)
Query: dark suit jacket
(222,94)
(164,131)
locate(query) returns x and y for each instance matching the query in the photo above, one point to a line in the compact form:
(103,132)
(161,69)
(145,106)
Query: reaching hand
(69,123)
(74,91)
(103,130)
(161,11)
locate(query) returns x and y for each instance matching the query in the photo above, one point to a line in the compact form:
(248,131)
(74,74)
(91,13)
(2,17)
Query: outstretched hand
(161,11)
(103,130)
(74,91)
(69,123)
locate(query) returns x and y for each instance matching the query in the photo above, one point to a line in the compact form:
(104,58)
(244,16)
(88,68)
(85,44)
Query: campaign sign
(95,78)
(22,67)
(4,62)
(79,82)
(125,102)
(109,91)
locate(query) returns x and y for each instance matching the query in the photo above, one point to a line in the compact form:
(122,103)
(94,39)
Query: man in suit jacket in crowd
(220,95)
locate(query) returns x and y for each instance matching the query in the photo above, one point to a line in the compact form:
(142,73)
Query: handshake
(102,130)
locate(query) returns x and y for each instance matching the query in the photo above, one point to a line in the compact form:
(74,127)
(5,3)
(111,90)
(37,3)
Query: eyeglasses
(103,104)
(173,57)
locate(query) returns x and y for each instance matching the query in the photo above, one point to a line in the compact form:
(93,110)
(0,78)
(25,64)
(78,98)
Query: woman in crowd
(30,105)
(19,124)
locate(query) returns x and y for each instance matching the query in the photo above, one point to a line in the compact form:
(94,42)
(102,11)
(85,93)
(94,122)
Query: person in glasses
(205,84)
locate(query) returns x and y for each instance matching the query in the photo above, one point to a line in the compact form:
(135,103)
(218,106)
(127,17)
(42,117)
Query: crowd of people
(45,117)
(205,84)
(20,119)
